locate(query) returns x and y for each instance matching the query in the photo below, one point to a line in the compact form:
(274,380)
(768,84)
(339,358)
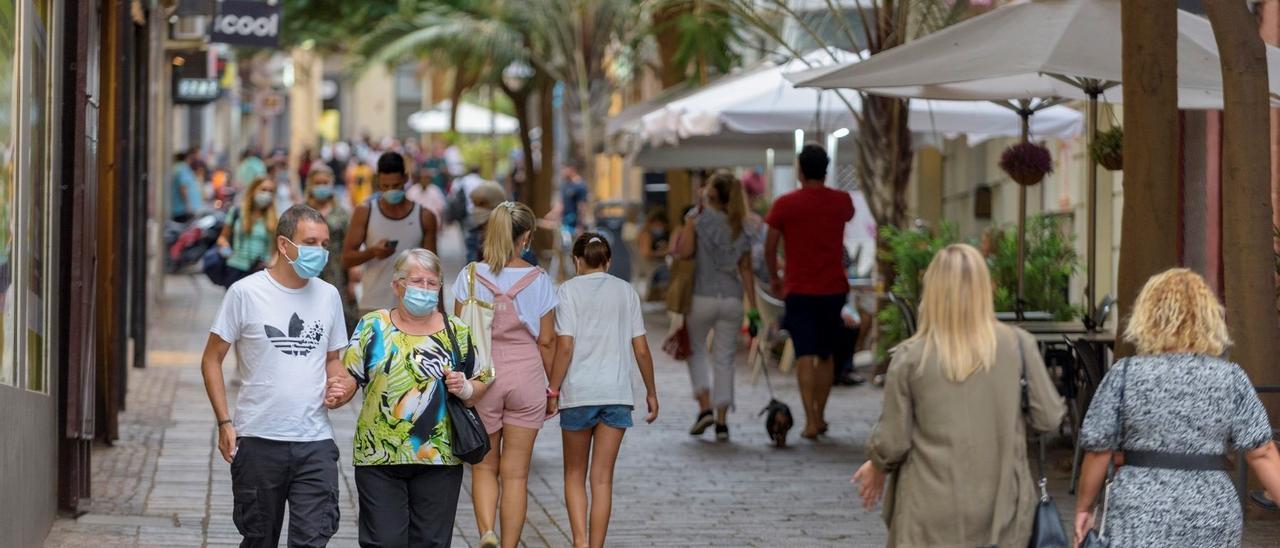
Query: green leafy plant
(1050,261)
(1108,148)
(909,250)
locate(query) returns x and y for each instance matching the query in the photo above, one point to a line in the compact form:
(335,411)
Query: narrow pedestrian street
(163,483)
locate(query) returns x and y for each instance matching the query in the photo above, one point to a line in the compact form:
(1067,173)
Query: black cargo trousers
(265,474)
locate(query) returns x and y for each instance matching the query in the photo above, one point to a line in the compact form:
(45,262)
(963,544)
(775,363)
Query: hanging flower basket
(1108,148)
(1026,163)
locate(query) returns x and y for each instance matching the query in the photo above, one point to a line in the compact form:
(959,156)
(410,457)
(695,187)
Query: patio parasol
(1029,54)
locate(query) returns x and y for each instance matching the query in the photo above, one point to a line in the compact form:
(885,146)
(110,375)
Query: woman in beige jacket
(953,432)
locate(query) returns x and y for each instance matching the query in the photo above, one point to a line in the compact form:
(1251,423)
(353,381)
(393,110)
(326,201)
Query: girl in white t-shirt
(597,321)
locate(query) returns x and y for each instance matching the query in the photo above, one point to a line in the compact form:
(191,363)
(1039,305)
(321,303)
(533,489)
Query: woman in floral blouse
(409,360)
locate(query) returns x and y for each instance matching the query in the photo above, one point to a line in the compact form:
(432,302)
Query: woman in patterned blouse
(408,360)
(1172,413)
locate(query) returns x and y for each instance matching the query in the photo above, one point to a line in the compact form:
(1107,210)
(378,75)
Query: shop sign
(246,23)
(195,90)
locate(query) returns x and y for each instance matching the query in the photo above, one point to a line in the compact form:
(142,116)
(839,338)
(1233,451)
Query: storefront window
(26,193)
(35,231)
(8,194)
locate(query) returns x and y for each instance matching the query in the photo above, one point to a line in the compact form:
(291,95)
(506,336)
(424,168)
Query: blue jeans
(576,419)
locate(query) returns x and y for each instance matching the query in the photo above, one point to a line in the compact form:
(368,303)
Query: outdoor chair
(771,312)
(908,312)
(1099,317)
(1087,374)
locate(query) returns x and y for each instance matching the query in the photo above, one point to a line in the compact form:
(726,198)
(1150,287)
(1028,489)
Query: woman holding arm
(523,348)
(408,360)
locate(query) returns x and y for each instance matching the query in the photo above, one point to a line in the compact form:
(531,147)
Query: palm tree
(696,39)
(471,37)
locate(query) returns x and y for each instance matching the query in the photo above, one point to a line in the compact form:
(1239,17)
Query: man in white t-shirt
(289,329)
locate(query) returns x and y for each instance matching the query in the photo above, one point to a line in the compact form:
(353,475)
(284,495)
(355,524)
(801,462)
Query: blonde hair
(250,215)
(732,202)
(1177,312)
(318,170)
(507,223)
(957,313)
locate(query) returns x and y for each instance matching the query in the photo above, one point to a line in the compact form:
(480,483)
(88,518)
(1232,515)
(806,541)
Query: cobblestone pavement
(163,483)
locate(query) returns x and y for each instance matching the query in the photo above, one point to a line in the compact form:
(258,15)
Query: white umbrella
(762,101)
(472,119)
(1035,49)
(1029,49)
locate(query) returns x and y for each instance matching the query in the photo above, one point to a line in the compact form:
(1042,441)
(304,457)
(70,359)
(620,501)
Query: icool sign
(246,23)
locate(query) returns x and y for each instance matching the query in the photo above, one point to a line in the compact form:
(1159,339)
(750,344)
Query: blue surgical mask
(420,302)
(311,260)
(393,197)
(323,192)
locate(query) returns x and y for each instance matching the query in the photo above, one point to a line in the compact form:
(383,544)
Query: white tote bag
(478,315)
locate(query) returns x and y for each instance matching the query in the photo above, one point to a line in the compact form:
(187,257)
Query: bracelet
(223,421)
(552,393)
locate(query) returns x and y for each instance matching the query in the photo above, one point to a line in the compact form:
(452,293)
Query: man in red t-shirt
(811,221)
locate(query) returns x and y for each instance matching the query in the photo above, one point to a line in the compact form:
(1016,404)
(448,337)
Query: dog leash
(764,365)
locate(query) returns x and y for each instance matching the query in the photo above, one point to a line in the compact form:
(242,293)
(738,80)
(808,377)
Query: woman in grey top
(715,239)
(1172,414)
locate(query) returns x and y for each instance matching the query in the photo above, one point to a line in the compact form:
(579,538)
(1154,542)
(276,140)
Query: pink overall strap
(488,284)
(524,282)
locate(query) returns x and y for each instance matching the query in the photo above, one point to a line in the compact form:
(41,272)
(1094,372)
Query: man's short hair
(287,226)
(391,162)
(813,161)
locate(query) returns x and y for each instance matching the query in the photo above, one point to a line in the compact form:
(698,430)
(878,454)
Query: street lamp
(516,74)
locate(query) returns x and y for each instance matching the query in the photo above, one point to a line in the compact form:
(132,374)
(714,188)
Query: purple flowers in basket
(1026,163)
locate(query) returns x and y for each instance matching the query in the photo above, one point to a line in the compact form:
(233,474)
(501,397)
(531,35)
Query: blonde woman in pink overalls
(523,341)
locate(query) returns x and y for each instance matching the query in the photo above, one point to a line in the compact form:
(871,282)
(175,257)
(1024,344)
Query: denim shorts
(585,418)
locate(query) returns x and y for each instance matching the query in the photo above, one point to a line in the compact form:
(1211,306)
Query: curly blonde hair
(1177,312)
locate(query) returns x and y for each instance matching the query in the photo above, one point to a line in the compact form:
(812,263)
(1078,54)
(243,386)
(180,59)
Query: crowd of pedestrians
(324,303)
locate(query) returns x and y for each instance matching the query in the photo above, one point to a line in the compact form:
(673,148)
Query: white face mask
(263,198)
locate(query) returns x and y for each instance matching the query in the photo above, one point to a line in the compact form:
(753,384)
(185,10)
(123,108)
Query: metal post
(768,174)
(1024,112)
(1090,131)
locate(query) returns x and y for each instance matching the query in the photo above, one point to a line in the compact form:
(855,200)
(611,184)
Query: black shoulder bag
(1047,530)
(470,441)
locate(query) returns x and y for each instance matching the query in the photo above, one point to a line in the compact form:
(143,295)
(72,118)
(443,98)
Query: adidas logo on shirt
(301,338)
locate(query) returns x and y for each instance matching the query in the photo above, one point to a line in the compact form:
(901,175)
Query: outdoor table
(1030,316)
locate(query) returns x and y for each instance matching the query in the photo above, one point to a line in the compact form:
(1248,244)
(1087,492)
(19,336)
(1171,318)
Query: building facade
(74,174)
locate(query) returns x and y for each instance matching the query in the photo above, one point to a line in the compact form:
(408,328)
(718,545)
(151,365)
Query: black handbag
(470,441)
(1047,530)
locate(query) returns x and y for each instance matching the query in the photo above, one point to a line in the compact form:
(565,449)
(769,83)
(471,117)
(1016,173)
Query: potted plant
(1108,148)
(1026,163)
